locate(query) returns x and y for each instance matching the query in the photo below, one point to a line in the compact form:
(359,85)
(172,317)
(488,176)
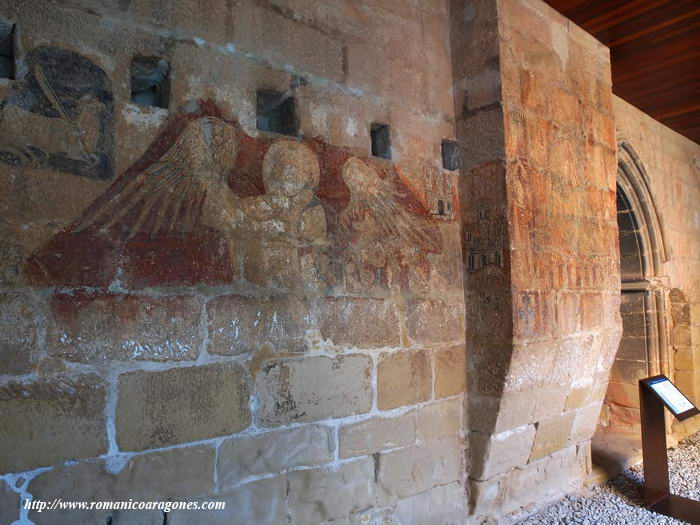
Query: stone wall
(194,309)
(541,257)
(672,168)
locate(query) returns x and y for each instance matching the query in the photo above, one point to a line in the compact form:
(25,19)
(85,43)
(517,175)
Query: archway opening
(643,347)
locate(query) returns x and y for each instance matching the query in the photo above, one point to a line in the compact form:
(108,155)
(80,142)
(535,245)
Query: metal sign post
(655,393)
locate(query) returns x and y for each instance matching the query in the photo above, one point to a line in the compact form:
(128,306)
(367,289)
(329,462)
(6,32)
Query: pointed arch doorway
(644,347)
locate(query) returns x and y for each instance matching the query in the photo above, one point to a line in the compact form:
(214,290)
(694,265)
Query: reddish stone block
(89,327)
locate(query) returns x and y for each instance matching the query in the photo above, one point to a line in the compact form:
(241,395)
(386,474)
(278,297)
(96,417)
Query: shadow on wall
(209,204)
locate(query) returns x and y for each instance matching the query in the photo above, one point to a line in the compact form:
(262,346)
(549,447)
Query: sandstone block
(181,474)
(438,420)
(243,457)
(51,421)
(623,394)
(446,504)
(271,264)
(585,422)
(261,502)
(415,469)
(552,434)
(365,323)
(312,389)
(18,333)
(578,396)
(450,372)
(496,454)
(181,405)
(273,37)
(403,378)
(434,321)
(591,311)
(543,480)
(9,503)
(103,327)
(240,324)
(327,494)
(378,434)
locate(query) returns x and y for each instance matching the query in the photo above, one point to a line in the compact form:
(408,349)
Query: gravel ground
(620,500)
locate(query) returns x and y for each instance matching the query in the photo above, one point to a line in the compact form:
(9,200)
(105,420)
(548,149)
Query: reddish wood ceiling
(655,54)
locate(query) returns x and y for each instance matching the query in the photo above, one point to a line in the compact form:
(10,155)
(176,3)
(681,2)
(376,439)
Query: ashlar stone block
(181,474)
(240,324)
(377,434)
(181,405)
(312,389)
(552,434)
(272,452)
(51,421)
(101,327)
(325,494)
(415,469)
(18,333)
(403,378)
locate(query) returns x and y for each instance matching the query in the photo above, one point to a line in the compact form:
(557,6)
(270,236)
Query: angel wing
(376,217)
(165,198)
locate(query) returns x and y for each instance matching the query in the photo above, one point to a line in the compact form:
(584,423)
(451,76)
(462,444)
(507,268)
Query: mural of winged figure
(185,187)
(385,241)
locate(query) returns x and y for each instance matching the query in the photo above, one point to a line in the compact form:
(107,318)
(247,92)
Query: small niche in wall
(7,50)
(276,112)
(381,140)
(150,81)
(451,155)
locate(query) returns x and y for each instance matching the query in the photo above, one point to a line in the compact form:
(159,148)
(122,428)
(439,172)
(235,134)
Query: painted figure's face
(222,141)
(210,146)
(290,168)
(358,176)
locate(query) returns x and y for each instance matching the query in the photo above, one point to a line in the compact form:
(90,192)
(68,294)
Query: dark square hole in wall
(7,49)
(451,155)
(381,141)
(150,81)
(276,112)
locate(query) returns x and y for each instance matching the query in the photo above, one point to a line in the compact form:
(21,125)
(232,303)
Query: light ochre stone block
(325,494)
(438,420)
(272,452)
(374,435)
(403,378)
(176,475)
(450,372)
(552,434)
(313,388)
(438,506)
(261,502)
(181,405)
(492,455)
(415,469)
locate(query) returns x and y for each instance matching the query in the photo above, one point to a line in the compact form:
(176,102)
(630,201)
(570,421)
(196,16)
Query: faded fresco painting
(59,116)
(209,204)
